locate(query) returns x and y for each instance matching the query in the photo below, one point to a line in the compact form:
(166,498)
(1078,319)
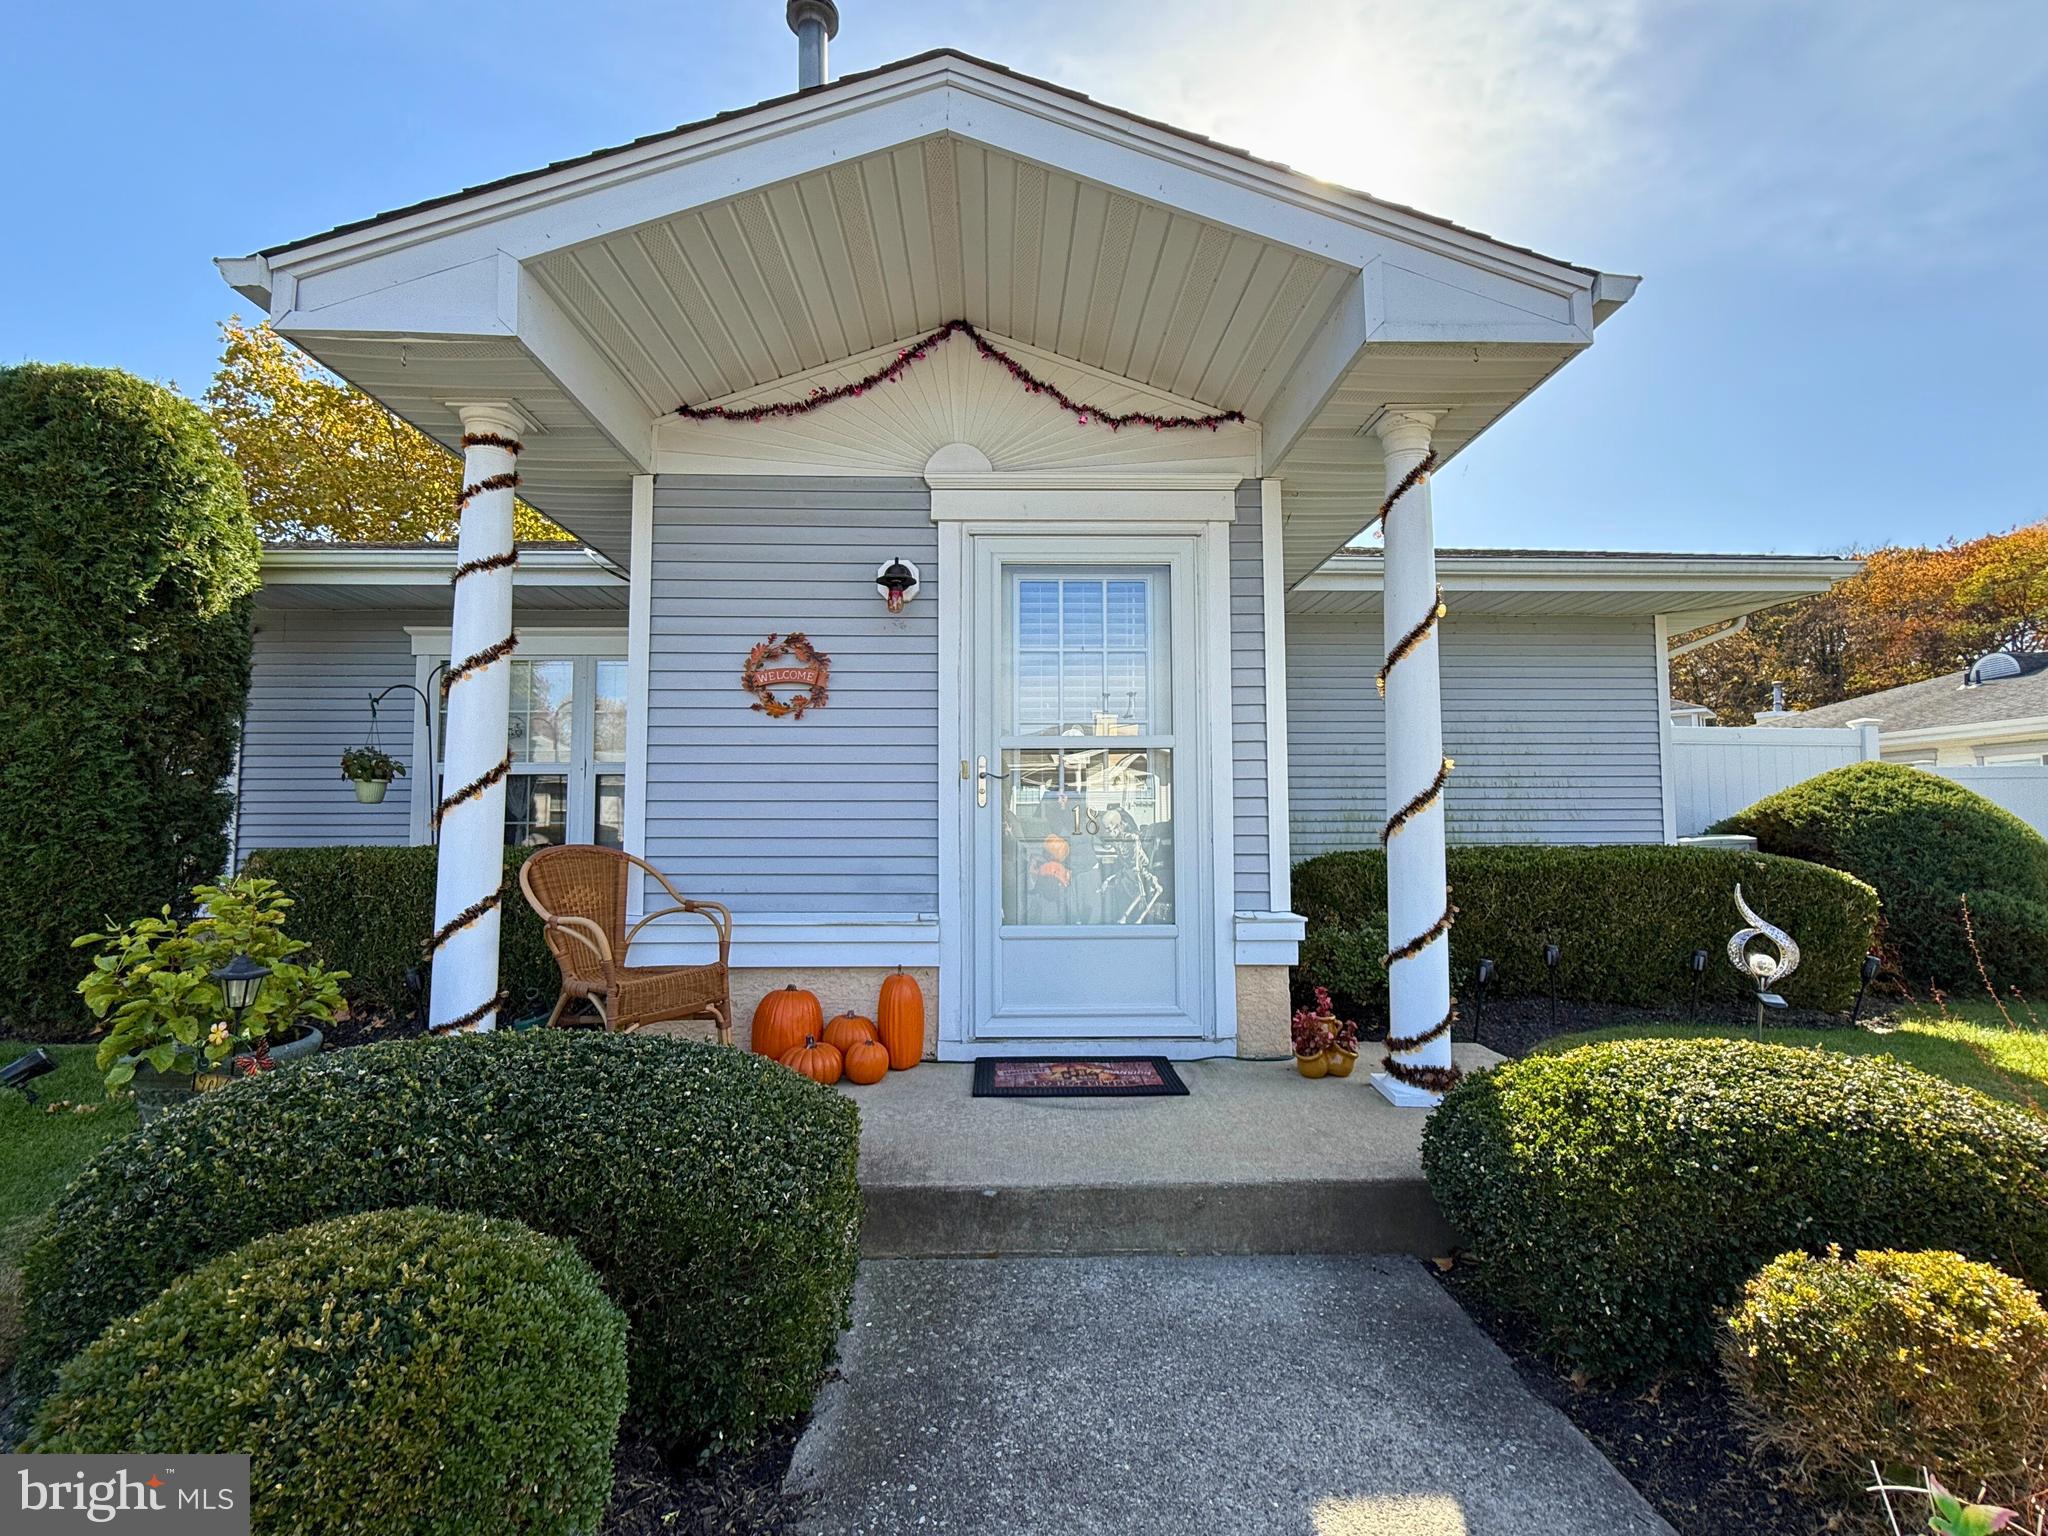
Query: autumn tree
(1911,614)
(324,461)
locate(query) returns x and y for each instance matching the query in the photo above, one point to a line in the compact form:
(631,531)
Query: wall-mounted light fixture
(897,581)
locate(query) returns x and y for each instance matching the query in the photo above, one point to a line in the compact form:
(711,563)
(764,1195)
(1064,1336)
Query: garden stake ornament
(1763,970)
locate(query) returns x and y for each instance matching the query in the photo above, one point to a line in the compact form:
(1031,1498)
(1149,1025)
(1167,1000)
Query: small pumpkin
(899,1019)
(784,1019)
(1057,848)
(819,1062)
(867,1061)
(847,1031)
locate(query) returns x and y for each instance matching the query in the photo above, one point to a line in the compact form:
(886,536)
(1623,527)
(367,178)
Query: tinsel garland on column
(469,666)
(1430,1079)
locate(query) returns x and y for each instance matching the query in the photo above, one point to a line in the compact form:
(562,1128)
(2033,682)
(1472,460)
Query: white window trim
(430,645)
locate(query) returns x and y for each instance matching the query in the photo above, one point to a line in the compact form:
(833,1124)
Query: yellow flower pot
(1338,1063)
(1312,1066)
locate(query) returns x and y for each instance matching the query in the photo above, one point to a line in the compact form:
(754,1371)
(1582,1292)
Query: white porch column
(478,688)
(1418,1063)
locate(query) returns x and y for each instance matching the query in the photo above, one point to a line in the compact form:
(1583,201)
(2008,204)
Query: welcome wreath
(811,673)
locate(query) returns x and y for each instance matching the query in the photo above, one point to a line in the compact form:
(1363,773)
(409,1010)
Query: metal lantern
(241,979)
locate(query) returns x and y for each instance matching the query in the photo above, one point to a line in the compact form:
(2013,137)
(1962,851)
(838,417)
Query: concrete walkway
(1254,1160)
(1311,1396)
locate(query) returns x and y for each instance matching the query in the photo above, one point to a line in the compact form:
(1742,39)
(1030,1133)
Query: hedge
(1916,1360)
(403,1370)
(1619,1194)
(1627,919)
(367,911)
(127,560)
(1925,843)
(712,1190)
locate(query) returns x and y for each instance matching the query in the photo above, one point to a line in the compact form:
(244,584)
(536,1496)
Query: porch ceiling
(716,260)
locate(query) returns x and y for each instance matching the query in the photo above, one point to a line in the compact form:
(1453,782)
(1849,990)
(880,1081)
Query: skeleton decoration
(1765,970)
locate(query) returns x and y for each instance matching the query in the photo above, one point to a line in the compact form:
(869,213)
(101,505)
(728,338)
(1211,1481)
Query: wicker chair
(580,893)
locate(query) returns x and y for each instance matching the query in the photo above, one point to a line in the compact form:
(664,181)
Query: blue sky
(1840,209)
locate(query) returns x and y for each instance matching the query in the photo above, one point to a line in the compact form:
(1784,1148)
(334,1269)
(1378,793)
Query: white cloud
(1805,131)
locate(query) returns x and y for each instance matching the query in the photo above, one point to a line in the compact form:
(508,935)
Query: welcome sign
(145,1495)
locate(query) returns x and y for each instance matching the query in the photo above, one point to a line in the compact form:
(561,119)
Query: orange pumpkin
(820,1063)
(1056,848)
(847,1031)
(899,1018)
(785,1019)
(867,1061)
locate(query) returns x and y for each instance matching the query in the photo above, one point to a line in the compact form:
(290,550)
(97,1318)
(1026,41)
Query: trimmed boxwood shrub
(367,910)
(1916,1360)
(1924,842)
(712,1190)
(405,1370)
(1619,1194)
(1626,917)
(127,560)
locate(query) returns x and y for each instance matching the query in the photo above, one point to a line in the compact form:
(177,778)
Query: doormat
(1069,1077)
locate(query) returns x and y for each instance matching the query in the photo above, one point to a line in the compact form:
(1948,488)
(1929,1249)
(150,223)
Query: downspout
(1741,623)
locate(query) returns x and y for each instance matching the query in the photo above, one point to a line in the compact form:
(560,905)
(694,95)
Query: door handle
(981,778)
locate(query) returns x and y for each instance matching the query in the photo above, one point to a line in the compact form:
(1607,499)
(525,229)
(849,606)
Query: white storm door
(1089,879)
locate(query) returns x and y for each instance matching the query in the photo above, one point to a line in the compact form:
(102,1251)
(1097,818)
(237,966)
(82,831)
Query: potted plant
(1343,1037)
(371,770)
(1312,1042)
(157,986)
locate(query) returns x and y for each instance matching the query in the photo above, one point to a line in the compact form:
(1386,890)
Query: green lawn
(41,1147)
(1969,1044)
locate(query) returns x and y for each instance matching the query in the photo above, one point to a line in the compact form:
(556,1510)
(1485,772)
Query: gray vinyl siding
(837,812)
(1252,885)
(309,687)
(1553,724)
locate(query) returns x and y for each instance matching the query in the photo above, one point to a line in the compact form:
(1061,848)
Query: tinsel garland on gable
(917,352)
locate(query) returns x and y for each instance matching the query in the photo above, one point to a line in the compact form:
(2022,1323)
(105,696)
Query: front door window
(1087,756)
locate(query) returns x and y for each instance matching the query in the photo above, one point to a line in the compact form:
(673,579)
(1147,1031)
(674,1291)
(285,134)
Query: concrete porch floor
(1255,1159)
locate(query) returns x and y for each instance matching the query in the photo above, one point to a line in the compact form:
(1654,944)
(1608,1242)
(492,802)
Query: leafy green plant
(712,1190)
(1948,1515)
(371,763)
(1910,1359)
(1925,843)
(401,1370)
(366,911)
(127,562)
(1620,1195)
(152,984)
(1626,919)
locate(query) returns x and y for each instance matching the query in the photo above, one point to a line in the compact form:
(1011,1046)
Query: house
(1012,446)
(1995,711)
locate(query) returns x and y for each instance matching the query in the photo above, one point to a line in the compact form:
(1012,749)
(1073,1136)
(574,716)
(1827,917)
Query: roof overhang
(714,261)
(378,577)
(1686,590)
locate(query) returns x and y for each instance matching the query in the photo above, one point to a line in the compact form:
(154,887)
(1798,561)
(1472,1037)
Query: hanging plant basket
(370,769)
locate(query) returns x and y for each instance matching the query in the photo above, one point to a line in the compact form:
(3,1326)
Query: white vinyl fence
(2021,788)
(1717,770)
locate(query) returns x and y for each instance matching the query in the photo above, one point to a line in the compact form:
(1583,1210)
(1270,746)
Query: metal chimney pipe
(815,23)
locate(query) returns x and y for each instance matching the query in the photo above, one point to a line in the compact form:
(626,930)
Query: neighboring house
(1993,712)
(1685,713)
(1070,774)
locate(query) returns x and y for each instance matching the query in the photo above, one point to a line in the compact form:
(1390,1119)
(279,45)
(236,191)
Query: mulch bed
(735,1495)
(1674,1437)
